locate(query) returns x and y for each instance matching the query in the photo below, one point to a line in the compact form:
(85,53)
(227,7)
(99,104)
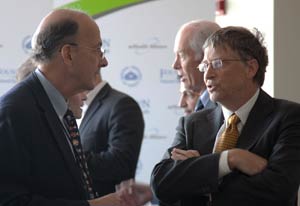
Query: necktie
(199,105)
(229,137)
(74,137)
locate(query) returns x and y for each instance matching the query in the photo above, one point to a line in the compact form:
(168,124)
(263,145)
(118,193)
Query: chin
(213,97)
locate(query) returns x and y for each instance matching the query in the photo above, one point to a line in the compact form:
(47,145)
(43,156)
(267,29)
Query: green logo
(96,8)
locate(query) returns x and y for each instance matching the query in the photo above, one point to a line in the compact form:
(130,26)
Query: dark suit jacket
(112,132)
(272,131)
(37,165)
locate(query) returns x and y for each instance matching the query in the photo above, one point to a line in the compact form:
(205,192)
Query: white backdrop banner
(18,20)
(139,37)
(140,42)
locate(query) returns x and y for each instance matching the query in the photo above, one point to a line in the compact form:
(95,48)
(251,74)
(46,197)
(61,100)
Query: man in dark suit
(188,55)
(39,165)
(112,132)
(263,168)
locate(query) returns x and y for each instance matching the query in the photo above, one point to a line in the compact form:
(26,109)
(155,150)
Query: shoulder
(20,94)
(121,97)
(286,107)
(203,117)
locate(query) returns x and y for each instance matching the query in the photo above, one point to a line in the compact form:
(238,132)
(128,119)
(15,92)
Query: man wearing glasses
(249,146)
(41,157)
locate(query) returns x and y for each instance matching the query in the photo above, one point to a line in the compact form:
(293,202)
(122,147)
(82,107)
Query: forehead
(89,31)
(218,51)
(182,40)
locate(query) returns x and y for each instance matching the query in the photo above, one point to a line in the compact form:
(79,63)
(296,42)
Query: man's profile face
(188,99)
(185,63)
(88,56)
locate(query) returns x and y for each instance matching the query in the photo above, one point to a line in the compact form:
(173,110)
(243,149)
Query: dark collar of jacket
(95,104)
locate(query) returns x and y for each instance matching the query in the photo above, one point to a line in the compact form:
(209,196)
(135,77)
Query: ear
(252,68)
(66,53)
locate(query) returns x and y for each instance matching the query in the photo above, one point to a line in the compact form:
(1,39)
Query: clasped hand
(128,193)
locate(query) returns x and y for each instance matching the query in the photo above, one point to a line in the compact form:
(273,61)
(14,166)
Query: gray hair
(201,30)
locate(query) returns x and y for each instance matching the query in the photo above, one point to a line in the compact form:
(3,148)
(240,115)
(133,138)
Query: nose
(103,62)
(176,64)
(210,73)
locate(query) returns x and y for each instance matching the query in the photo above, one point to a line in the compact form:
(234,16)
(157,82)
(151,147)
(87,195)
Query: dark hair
(247,44)
(51,38)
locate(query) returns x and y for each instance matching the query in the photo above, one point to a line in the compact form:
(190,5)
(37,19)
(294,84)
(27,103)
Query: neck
(58,80)
(239,100)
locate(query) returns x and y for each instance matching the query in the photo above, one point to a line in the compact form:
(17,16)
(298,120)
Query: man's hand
(134,194)
(246,162)
(112,199)
(179,154)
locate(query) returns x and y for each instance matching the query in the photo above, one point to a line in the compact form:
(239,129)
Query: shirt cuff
(223,164)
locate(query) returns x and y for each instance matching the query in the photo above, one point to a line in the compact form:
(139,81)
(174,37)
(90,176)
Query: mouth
(210,87)
(182,78)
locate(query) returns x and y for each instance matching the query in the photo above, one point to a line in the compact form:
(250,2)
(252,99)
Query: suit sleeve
(279,182)
(16,172)
(126,130)
(173,180)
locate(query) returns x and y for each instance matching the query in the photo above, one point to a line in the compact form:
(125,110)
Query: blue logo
(7,75)
(178,111)
(26,44)
(168,76)
(145,105)
(131,76)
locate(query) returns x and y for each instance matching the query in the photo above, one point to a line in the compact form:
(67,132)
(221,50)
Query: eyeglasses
(215,64)
(98,49)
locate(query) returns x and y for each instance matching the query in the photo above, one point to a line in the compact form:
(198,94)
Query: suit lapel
(57,130)
(95,104)
(204,139)
(258,119)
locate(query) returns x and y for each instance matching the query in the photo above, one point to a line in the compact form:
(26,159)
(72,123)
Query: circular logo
(131,76)
(26,44)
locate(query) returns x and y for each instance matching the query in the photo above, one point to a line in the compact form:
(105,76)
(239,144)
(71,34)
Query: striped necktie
(74,137)
(229,137)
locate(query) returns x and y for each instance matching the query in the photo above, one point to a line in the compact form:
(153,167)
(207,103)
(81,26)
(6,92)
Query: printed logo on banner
(26,44)
(145,105)
(7,75)
(168,76)
(153,43)
(154,133)
(131,76)
(178,111)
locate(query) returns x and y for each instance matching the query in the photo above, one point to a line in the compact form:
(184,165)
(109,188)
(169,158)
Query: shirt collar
(92,94)
(204,98)
(56,98)
(243,111)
